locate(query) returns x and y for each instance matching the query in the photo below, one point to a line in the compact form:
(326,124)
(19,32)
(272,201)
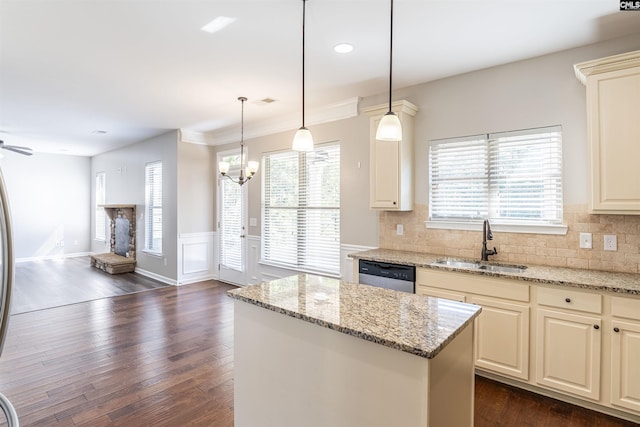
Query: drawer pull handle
(616,329)
(596,327)
(567,299)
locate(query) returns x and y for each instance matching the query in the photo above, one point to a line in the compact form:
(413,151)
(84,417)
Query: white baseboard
(52,257)
(155,276)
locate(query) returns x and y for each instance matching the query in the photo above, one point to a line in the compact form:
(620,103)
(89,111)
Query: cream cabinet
(502,337)
(613,129)
(568,342)
(501,343)
(625,353)
(391,162)
(568,352)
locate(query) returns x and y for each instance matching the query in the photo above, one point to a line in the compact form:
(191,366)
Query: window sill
(153,254)
(560,229)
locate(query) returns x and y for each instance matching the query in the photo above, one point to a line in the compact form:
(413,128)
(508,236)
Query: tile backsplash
(520,248)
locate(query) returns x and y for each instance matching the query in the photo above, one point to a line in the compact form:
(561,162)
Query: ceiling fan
(16,148)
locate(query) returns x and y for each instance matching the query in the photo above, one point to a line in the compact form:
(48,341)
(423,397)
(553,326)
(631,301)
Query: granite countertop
(415,324)
(624,283)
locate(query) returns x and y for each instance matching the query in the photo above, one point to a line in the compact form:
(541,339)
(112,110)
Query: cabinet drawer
(440,293)
(473,284)
(625,307)
(570,299)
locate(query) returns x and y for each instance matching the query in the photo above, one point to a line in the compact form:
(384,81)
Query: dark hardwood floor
(53,283)
(164,357)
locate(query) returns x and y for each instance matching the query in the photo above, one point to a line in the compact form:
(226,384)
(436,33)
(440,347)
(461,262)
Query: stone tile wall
(520,248)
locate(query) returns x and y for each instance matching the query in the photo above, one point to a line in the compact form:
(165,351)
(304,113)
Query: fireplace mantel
(128,210)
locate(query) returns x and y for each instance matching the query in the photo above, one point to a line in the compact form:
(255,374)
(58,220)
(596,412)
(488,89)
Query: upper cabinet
(613,109)
(391,168)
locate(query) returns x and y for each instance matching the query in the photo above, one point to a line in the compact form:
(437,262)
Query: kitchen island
(317,351)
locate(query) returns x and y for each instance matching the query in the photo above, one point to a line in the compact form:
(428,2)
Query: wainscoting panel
(258,273)
(196,257)
(346,263)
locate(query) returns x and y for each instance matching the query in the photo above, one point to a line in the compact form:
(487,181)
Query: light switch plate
(586,241)
(399,229)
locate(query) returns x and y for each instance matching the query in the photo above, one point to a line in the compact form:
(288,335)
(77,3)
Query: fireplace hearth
(122,255)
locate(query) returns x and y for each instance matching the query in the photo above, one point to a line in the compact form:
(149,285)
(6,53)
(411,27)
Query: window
(232,216)
(101,216)
(301,209)
(510,178)
(153,207)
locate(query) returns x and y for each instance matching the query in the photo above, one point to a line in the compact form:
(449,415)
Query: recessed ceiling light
(343,48)
(217,24)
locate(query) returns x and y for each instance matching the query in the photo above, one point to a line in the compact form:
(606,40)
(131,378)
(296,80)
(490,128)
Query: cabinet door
(385,174)
(502,337)
(568,352)
(625,366)
(614,131)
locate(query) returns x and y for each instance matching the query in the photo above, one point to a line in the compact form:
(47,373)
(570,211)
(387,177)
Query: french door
(232,216)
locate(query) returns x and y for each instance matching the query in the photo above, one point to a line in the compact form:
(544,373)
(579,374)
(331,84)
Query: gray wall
(538,92)
(196,188)
(125,185)
(359,225)
(49,195)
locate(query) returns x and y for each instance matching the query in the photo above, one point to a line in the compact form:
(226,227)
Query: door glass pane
(231,225)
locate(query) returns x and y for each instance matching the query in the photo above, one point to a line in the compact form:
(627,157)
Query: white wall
(49,195)
(125,185)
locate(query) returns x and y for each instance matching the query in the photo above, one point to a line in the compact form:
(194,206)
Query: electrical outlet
(610,242)
(586,241)
(399,229)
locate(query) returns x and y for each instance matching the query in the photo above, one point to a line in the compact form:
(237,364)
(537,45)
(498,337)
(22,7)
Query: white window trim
(302,269)
(152,252)
(557,229)
(106,224)
(501,225)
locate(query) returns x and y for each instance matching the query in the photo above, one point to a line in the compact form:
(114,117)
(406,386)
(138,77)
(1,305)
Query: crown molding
(401,106)
(604,65)
(337,111)
(194,137)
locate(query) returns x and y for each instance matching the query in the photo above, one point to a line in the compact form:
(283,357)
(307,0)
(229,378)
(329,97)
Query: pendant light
(389,128)
(246,172)
(302,140)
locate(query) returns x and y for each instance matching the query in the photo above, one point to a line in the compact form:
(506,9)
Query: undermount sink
(476,265)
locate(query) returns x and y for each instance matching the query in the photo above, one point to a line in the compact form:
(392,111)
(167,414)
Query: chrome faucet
(487,235)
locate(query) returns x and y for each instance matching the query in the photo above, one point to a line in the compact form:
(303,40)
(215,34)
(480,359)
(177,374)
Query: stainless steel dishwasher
(386,275)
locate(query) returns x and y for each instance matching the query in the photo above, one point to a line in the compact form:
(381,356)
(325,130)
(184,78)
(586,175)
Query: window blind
(508,177)
(100,214)
(153,207)
(301,209)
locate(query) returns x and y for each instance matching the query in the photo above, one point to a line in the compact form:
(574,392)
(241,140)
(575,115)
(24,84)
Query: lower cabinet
(568,348)
(580,343)
(625,353)
(502,337)
(501,343)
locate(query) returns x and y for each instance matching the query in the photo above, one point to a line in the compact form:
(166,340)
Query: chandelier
(246,172)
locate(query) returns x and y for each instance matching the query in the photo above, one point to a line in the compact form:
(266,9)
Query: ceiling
(137,68)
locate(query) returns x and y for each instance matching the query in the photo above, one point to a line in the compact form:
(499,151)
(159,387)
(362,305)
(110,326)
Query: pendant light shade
(389,128)
(246,172)
(302,140)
